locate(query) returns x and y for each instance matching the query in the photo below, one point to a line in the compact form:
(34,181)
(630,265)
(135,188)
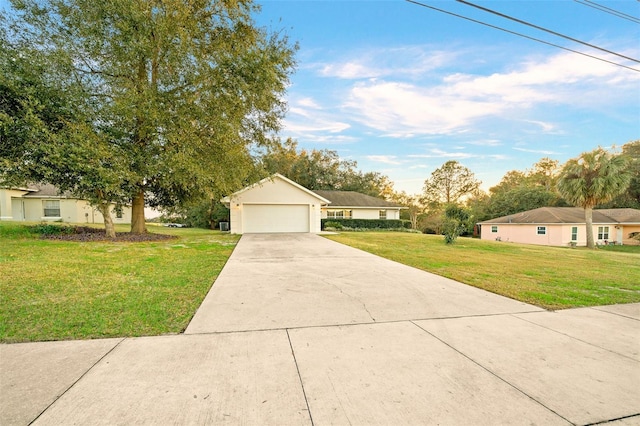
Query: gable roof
(228,198)
(354,199)
(568,215)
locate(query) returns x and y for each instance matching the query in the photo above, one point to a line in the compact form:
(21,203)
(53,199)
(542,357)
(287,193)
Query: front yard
(56,290)
(550,277)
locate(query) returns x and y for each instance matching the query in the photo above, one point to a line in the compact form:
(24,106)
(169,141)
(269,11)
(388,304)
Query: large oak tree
(176,90)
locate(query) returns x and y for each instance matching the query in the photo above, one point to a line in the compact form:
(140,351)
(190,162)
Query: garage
(274,205)
(265,218)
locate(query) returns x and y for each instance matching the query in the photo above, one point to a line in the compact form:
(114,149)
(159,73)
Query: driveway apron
(298,329)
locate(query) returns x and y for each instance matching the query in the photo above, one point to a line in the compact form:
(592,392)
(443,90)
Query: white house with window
(562,226)
(354,205)
(44,202)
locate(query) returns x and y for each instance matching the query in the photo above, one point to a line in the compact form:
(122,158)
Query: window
(603,232)
(542,230)
(574,233)
(118,211)
(383,214)
(494,228)
(51,208)
(338,214)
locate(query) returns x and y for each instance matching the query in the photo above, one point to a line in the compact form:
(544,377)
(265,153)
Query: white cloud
(401,109)
(404,110)
(486,142)
(544,126)
(438,153)
(408,61)
(386,159)
(537,151)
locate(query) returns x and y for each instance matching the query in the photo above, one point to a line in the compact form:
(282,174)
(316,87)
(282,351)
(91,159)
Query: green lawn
(550,277)
(56,290)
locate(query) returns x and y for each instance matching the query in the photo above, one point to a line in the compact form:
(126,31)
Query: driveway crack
(364,305)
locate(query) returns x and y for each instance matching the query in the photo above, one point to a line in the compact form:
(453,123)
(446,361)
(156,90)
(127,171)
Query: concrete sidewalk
(301,330)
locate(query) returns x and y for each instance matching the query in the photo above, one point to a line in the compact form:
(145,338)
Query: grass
(57,290)
(549,277)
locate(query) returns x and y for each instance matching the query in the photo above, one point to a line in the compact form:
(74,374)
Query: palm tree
(593,178)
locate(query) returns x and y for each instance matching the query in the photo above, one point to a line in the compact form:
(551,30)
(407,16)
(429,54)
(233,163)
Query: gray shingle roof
(569,215)
(45,190)
(354,199)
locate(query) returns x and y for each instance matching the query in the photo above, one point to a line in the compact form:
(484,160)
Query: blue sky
(402,89)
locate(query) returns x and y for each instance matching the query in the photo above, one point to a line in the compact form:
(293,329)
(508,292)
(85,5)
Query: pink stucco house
(564,226)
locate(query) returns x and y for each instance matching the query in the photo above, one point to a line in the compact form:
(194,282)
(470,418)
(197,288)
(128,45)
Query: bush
(332,225)
(365,224)
(46,229)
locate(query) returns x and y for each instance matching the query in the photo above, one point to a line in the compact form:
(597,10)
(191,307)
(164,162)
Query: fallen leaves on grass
(86,233)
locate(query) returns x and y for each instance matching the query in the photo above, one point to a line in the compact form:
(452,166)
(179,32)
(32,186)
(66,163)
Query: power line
(608,10)
(521,35)
(529,24)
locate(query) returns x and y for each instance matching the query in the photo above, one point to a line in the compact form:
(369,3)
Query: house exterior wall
(273,192)
(556,234)
(624,234)
(71,210)
(364,213)
(7,209)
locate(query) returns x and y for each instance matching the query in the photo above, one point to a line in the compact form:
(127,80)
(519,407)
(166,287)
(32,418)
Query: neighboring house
(278,204)
(562,226)
(44,202)
(354,205)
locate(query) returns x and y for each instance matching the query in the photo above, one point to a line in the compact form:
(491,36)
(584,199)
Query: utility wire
(609,10)
(521,35)
(529,24)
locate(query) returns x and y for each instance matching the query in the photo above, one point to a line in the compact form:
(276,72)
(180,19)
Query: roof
(227,199)
(355,199)
(568,215)
(45,190)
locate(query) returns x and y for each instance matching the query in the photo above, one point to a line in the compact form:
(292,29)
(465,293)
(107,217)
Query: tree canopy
(176,91)
(322,169)
(450,183)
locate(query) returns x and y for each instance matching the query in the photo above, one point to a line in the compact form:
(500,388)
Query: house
(354,205)
(275,204)
(40,202)
(562,226)
(278,204)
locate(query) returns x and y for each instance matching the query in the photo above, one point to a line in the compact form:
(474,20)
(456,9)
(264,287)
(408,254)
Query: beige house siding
(626,231)
(15,206)
(7,209)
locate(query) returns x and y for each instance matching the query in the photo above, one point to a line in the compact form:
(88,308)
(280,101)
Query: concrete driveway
(302,330)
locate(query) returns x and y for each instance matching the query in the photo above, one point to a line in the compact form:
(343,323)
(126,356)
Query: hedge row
(368,223)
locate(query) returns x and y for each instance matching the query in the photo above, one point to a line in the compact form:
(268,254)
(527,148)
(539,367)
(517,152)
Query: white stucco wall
(364,213)
(7,209)
(71,211)
(275,191)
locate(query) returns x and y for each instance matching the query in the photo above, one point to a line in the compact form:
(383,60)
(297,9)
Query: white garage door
(261,218)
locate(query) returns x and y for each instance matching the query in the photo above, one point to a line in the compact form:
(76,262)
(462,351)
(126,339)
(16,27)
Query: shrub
(46,229)
(365,224)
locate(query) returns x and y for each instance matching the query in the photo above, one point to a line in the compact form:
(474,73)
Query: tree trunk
(588,217)
(109,229)
(138,224)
